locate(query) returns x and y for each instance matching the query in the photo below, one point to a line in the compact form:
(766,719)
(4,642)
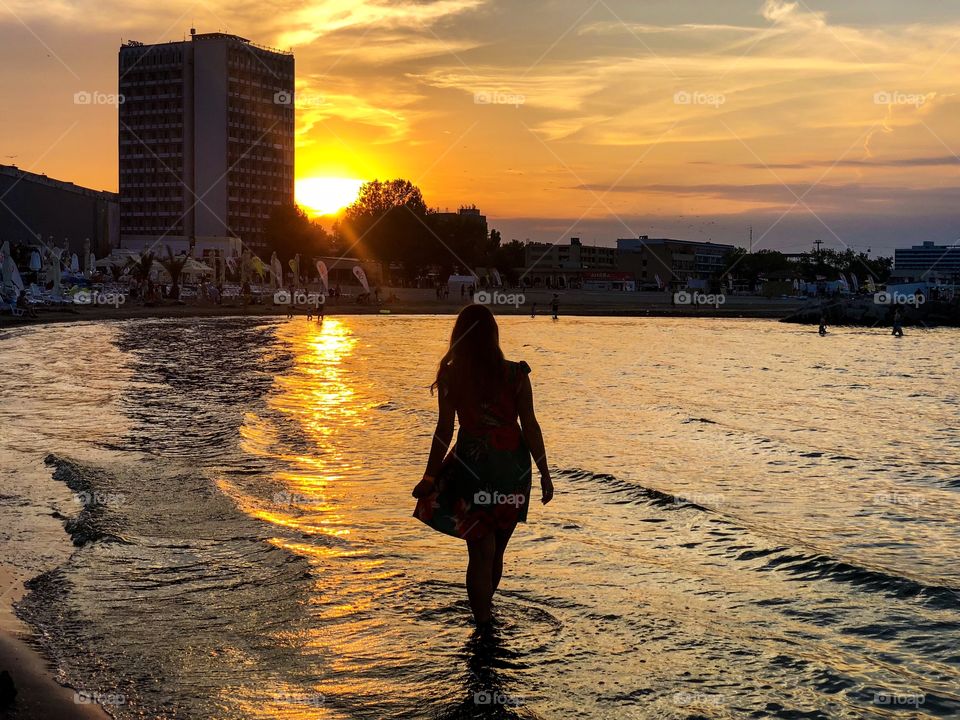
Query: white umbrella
(196,267)
(35,263)
(74,263)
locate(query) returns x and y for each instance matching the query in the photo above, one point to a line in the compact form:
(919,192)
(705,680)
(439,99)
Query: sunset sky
(687,118)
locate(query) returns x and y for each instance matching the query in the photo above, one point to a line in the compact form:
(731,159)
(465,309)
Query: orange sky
(606,119)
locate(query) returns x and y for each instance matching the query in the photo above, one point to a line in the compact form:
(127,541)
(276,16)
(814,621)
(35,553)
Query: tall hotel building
(206,142)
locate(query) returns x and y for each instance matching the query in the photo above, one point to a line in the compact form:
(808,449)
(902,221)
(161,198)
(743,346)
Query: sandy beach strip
(32,541)
(424,302)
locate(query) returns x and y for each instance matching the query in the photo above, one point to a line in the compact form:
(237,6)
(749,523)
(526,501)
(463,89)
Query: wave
(802,562)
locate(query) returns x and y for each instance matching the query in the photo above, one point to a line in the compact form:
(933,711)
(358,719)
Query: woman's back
(481,408)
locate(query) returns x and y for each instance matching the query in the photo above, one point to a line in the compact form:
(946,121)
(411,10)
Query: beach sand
(423,302)
(35,540)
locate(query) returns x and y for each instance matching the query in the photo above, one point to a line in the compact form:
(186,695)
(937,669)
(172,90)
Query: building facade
(36,210)
(567,266)
(927,262)
(206,132)
(661,263)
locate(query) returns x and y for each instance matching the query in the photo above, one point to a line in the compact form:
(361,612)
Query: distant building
(926,262)
(672,263)
(206,141)
(569,266)
(37,210)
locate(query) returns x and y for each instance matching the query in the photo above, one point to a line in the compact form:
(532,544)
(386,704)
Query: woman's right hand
(546,489)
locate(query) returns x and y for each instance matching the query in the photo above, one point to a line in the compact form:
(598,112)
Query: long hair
(472,367)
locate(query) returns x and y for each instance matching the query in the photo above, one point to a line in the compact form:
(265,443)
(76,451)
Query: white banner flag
(324,276)
(362,277)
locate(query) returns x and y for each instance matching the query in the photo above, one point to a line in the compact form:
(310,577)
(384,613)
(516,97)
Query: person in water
(897,324)
(481,489)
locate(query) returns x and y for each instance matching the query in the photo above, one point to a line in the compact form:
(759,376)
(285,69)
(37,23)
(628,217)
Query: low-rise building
(566,266)
(36,210)
(927,262)
(669,263)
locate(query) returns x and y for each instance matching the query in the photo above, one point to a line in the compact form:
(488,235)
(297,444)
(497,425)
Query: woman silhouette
(481,489)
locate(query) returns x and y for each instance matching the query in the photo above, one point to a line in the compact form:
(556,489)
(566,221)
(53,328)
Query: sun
(326,195)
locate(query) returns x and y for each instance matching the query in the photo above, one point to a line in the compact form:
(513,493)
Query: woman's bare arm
(534,437)
(442,436)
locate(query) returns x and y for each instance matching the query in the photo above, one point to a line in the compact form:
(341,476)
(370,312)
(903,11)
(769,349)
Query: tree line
(390,223)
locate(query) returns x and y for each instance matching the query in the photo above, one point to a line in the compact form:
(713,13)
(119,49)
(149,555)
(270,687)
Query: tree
(388,222)
(509,258)
(141,267)
(289,231)
(174,264)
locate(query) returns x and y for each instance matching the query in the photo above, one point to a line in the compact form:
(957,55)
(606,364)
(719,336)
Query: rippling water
(751,521)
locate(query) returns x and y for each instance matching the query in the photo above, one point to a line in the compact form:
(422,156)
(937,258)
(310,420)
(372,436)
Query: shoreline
(422,302)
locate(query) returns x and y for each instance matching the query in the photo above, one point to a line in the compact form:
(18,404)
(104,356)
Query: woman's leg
(502,538)
(480,575)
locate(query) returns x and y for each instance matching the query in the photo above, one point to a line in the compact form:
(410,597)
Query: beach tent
(455,282)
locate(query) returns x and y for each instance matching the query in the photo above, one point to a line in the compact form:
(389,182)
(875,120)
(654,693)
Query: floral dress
(484,482)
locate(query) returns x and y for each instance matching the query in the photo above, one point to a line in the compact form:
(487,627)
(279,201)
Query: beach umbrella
(277,270)
(196,267)
(856,283)
(35,263)
(53,269)
(7,266)
(74,263)
(294,264)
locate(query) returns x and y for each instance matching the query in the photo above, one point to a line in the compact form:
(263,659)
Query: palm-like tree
(174,264)
(140,268)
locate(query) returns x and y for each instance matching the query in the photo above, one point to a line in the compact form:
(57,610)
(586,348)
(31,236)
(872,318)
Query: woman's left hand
(424,488)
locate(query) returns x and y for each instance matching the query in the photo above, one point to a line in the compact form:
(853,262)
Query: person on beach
(481,489)
(533,310)
(823,326)
(555,306)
